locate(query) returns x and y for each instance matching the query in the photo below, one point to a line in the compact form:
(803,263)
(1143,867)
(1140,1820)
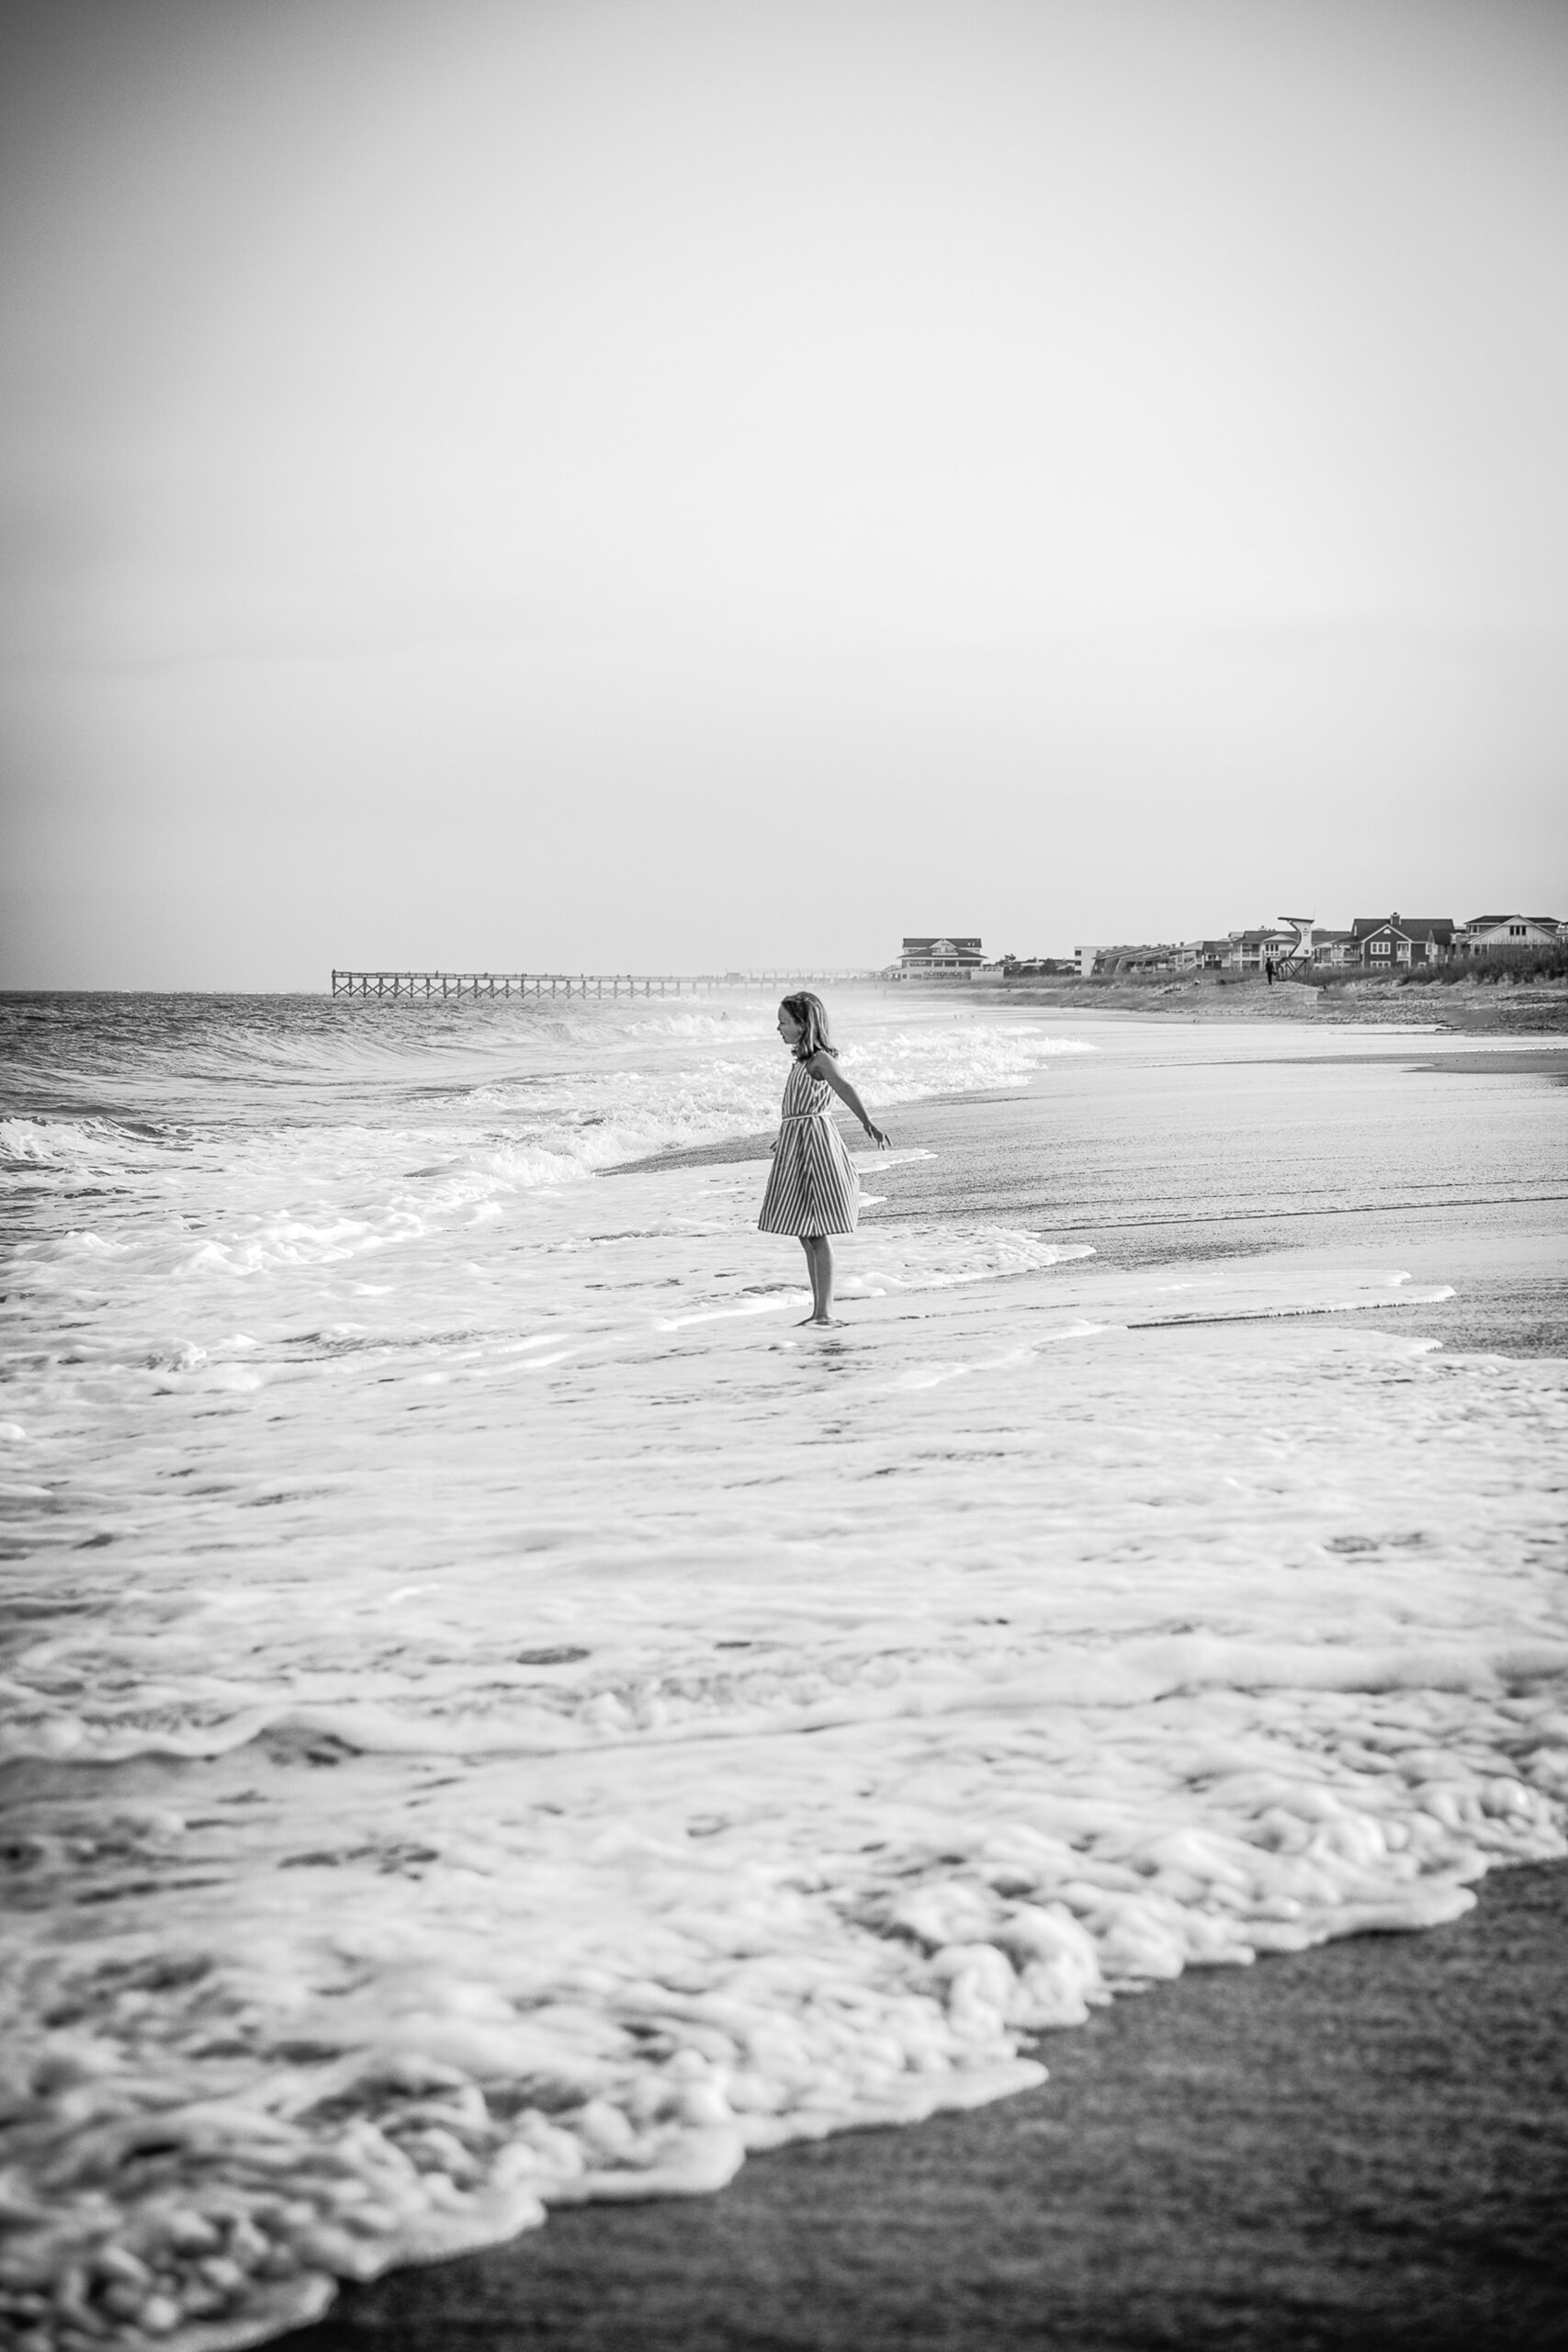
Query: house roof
(944,938)
(1490,922)
(1411,926)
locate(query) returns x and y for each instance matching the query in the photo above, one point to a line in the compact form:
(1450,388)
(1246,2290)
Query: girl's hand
(824,1067)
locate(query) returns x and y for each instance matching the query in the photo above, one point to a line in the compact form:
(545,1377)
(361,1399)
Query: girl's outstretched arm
(823,1065)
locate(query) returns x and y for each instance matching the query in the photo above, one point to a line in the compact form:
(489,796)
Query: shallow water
(498,1716)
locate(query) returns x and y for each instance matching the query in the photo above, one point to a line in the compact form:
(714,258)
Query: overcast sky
(633,484)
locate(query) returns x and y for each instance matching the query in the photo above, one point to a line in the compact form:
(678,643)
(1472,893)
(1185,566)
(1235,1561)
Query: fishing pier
(383,988)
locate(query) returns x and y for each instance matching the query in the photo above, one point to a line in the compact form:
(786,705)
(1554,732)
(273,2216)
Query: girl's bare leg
(819,1259)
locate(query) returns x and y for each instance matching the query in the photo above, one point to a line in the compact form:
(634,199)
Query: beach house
(1387,943)
(952,957)
(1250,950)
(1145,956)
(1485,934)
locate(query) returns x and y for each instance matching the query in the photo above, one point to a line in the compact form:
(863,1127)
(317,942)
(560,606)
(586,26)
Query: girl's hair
(812,1016)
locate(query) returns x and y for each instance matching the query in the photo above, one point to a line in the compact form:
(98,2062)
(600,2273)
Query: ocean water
(496,1716)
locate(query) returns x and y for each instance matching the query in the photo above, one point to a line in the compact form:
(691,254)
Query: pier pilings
(401,987)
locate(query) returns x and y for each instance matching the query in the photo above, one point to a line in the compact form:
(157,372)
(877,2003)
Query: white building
(1483,934)
(958,958)
(1251,950)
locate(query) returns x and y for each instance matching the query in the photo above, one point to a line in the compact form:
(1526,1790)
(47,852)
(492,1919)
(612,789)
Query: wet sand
(1365,2145)
(1496,1061)
(1019,1157)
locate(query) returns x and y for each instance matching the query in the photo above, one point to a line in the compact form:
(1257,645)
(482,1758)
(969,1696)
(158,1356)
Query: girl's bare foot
(821,1322)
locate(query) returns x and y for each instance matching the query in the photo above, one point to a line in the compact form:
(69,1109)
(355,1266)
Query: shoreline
(1134,1443)
(1549,1062)
(1365,2145)
(1461,1006)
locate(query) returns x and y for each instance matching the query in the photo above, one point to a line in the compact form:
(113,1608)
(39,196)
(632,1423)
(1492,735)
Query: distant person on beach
(812,1190)
(1269,969)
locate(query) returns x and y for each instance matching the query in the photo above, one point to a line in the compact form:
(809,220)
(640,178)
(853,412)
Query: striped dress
(812,1188)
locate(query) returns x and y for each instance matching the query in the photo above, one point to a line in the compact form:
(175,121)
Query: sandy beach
(1365,2144)
(503,1721)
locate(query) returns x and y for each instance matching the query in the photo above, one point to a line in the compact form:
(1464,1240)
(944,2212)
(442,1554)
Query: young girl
(812,1191)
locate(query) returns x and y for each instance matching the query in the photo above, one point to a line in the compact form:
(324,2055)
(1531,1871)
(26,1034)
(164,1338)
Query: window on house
(1380,946)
